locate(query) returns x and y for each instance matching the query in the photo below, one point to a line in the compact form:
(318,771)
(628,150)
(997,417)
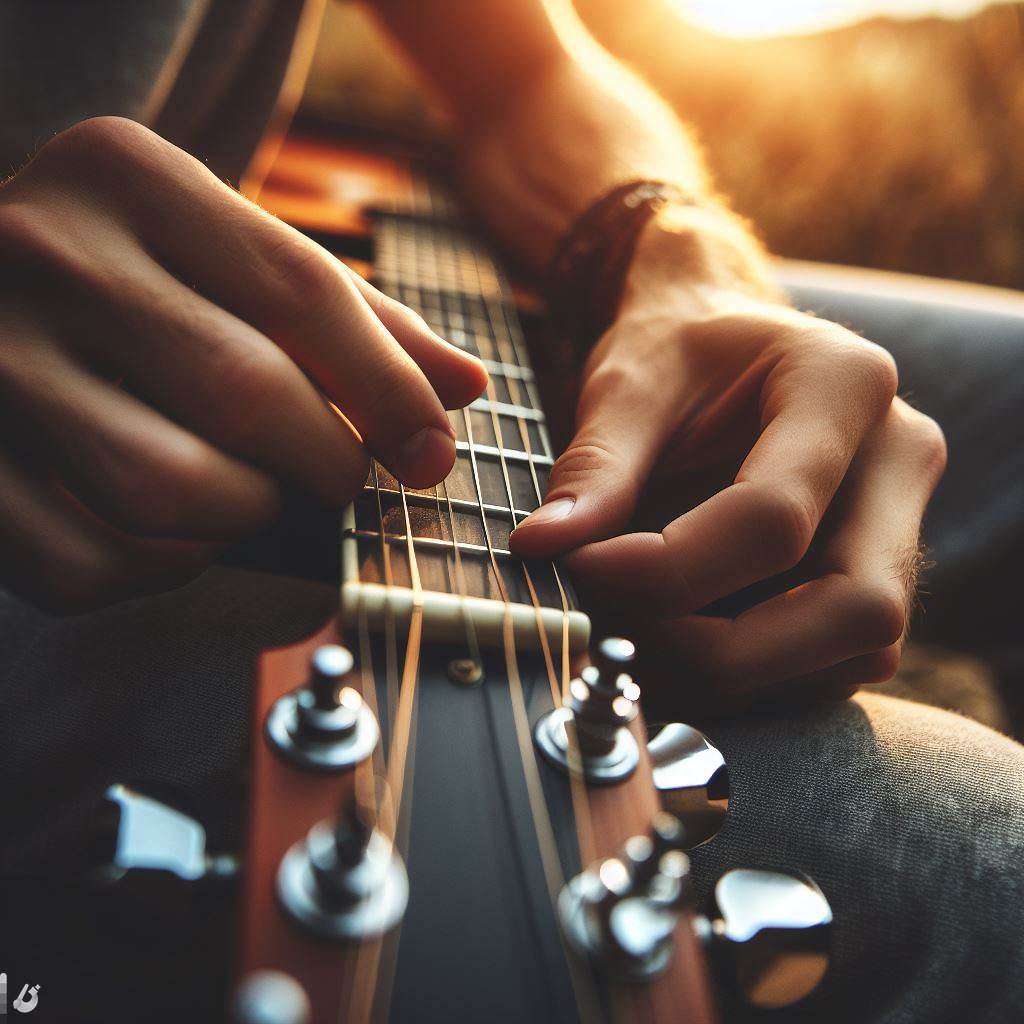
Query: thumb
(597,480)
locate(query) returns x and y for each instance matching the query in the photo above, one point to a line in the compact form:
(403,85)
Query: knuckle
(253,383)
(395,400)
(159,499)
(882,665)
(926,440)
(95,139)
(880,616)
(875,371)
(787,523)
(299,271)
(582,461)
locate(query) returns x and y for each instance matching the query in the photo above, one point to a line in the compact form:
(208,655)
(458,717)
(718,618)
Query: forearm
(579,130)
(549,122)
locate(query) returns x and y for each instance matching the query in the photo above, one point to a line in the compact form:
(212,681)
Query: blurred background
(882,133)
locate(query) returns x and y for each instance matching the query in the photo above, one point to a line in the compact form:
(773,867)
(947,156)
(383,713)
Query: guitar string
(402,757)
(577,783)
(543,828)
(557,693)
(403,718)
(544,832)
(366,989)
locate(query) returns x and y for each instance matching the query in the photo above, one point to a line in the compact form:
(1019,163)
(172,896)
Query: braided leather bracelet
(586,276)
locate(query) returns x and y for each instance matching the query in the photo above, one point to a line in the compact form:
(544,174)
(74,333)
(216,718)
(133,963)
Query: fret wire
(508,370)
(462,504)
(433,543)
(503,453)
(507,409)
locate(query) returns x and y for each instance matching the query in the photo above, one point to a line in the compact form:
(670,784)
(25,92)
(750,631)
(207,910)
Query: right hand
(168,356)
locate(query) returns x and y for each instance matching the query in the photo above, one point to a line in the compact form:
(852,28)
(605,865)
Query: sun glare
(751,18)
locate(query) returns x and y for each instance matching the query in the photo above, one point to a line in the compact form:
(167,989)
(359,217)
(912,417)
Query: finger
(223,380)
(457,376)
(818,411)
(132,466)
(815,626)
(63,559)
(623,419)
(277,280)
(859,608)
(839,681)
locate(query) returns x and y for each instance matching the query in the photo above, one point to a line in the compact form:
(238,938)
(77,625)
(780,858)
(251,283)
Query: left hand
(723,440)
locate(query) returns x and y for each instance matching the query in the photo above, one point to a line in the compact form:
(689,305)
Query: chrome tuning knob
(691,778)
(768,932)
(324,725)
(345,880)
(622,912)
(270,997)
(150,837)
(591,730)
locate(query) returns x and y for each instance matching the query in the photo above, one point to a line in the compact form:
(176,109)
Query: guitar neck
(446,548)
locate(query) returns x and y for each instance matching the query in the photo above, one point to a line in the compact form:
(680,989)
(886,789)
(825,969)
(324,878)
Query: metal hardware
(769,932)
(324,725)
(344,881)
(691,778)
(590,733)
(622,912)
(154,837)
(465,671)
(271,997)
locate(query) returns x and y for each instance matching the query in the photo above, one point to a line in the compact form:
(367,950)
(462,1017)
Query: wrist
(700,256)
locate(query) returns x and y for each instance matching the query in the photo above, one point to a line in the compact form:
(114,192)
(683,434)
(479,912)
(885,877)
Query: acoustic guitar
(457,812)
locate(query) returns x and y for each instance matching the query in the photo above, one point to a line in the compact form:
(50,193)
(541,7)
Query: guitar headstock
(608,897)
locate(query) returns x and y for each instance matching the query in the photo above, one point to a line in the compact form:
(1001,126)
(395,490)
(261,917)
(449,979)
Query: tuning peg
(324,725)
(768,932)
(151,836)
(691,778)
(591,730)
(270,997)
(621,913)
(609,670)
(346,880)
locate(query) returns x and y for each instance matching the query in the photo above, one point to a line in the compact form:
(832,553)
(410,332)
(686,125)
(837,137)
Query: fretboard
(447,548)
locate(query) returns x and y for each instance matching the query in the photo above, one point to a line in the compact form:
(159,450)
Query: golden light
(752,18)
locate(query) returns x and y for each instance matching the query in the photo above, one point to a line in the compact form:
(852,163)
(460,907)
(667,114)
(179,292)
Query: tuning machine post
(591,730)
(345,880)
(324,725)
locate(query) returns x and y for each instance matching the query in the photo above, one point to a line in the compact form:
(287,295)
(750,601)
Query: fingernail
(550,513)
(425,458)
